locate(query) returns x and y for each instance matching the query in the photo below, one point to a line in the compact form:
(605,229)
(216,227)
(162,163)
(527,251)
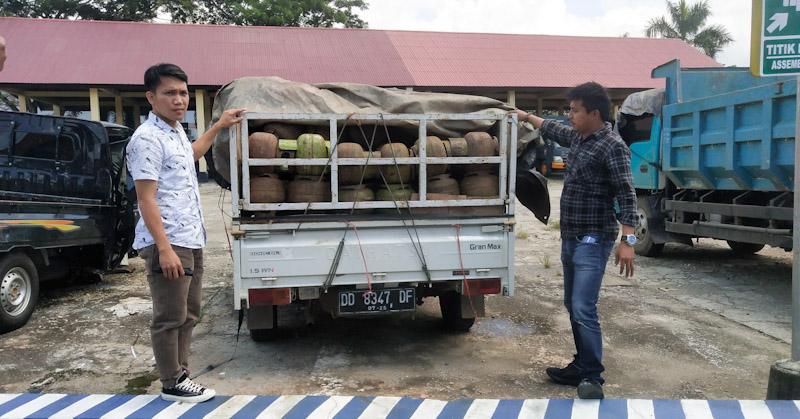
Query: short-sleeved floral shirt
(160,152)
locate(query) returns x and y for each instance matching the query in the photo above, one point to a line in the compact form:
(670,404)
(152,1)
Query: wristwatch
(629,239)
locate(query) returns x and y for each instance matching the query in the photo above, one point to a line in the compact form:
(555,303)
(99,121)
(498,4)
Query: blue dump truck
(712,155)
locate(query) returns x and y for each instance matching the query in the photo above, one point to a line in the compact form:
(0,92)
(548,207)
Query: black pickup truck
(65,205)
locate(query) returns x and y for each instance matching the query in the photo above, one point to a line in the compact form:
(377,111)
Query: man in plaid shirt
(598,175)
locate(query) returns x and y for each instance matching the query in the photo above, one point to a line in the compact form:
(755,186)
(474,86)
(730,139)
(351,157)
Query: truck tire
(645,246)
(744,249)
(450,304)
(19,291)
(266,335)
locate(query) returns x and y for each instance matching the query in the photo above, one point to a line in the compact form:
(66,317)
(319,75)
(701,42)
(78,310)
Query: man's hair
(593,96)
(152,77)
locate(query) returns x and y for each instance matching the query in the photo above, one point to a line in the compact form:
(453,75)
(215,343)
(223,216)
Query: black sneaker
(590,389)
(569,375)
(188,391)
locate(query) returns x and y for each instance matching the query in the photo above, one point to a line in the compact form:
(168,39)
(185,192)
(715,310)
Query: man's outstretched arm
(203,143)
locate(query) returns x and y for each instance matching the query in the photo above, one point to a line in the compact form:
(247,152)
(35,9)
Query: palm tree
(687,22)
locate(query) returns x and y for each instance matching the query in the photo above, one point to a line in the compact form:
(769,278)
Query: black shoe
(590,389)
(186,390)
(569,375)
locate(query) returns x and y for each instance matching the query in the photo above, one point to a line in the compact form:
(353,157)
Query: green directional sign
(775,50)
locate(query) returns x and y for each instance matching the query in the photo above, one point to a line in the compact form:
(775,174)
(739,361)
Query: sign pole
(775,51)
(796,234)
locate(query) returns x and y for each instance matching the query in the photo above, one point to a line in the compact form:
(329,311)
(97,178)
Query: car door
(123,198)
(69,163)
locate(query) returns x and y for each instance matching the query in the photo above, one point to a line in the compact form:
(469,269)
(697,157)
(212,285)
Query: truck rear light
(308,293)
(269,296)
(481,286)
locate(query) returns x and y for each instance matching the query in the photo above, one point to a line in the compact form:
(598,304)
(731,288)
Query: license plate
(376,301)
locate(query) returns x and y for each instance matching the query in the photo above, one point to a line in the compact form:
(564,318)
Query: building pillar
(512,98)
(539,106)
(119,111)
(94,104)
(200,105)
(137,115)
(57,111)
(200,99)
(23,103)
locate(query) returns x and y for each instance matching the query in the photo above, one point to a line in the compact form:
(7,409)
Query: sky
(555,17)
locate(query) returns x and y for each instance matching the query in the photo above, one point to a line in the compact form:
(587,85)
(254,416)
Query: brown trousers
(176,309)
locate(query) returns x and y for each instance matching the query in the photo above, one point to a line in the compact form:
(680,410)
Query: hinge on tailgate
(496,228)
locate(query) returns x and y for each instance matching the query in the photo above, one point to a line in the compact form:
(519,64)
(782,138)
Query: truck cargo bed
(373,256)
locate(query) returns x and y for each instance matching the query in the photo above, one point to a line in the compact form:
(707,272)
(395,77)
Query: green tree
(324,13)
(320,13)
(688,22)
(131,10)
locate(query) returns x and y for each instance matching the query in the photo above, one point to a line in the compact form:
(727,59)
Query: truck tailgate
(388,254)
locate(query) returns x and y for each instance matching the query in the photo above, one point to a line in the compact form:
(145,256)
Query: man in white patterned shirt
(170,234)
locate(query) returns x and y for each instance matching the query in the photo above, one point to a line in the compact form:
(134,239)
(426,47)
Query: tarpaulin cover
(640,103)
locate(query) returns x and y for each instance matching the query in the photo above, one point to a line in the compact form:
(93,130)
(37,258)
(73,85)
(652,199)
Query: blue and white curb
(37,405)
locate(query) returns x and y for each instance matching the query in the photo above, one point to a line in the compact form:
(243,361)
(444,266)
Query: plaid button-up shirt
(598,173)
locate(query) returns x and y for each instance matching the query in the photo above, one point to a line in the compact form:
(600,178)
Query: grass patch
(545,259)
(554,225)
(139,385)
(522,235)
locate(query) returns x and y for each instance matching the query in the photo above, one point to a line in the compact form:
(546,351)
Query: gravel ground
(694,323)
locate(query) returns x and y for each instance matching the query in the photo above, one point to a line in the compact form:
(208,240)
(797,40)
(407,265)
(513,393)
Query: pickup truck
(65,207)
(366,257)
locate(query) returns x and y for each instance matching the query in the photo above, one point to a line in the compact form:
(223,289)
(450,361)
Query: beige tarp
(273,94)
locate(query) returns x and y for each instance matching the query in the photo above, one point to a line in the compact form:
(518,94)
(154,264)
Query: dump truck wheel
(19,291)
(450,304)
(744,249)
(644,239)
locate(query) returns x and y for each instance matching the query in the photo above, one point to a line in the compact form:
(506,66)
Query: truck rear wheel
(450,304)
(645,245)
(743,249)
(19,291)
(265,335)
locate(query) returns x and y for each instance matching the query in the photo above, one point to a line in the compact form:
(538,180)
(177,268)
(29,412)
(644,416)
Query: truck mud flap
(532,192)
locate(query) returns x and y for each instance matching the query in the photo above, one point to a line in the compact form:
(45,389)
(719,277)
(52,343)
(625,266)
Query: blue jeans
(584,259)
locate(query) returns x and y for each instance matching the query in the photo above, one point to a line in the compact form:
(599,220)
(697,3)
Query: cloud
(553,17)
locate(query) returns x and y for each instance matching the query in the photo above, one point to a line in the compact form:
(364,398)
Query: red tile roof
(44,51)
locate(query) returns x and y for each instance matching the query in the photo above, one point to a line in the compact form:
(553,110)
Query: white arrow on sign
(779,21)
